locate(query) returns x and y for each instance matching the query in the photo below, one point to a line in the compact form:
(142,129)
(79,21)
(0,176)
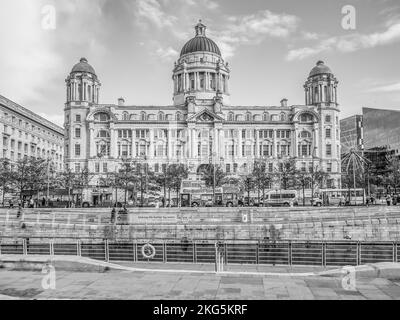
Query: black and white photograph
(220,152)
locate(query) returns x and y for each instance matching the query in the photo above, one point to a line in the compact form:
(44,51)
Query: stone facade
(202,127)
(27,134)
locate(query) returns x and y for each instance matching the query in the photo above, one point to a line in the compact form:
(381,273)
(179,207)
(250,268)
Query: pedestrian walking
(19,212)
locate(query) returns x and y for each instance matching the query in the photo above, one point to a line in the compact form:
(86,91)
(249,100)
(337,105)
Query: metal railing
(264,252)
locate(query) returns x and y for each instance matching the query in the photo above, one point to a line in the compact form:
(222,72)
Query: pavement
(188,282)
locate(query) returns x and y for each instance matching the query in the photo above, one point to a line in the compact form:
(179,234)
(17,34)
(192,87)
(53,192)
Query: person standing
(113,213)
(389,200)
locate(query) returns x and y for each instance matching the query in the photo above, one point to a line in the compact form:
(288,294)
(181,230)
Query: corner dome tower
(83,84)
(321,86)
(200,72)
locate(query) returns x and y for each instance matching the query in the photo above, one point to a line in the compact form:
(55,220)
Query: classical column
(189,143)
(316,139)
(240,141)
(170,144)
(195,142)
(257,151)
(215,143)
(92,145)
(295,142)
(336,95)
(275,144)
(151,149)
(113,134)
(133,143)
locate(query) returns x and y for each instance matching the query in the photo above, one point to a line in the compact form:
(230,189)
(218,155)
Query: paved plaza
(282,284)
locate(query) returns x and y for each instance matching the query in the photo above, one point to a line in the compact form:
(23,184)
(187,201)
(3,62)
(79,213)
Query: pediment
(205,116)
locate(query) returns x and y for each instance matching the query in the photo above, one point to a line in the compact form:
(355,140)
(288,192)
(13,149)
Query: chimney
(121,102)
(284,103)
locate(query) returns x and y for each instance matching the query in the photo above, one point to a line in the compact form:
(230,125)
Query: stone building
(202,127)
(27,134)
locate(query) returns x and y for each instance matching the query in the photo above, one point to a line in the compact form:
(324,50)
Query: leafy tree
(127,178)
(66,180)
(82,181)
(177,173)
(29,174)
(263,179)
(6,177)
(286,174)
(248,186)
(207,175)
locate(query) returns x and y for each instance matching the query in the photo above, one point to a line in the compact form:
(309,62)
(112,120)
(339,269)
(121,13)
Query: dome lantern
(200,29)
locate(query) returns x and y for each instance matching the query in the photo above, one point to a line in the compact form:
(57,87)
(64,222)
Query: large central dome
(200,43)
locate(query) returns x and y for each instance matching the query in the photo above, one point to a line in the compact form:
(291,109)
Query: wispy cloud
(255,28)
(387,88)
(58,119)
(166,54)
(349,43)
(151,11)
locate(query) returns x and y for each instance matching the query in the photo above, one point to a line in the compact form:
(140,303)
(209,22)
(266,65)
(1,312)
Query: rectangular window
(270,167)
(78,118)
(231,150)
(328,133)
(77,133)
(235,167)
(228,168)
(77,167)
(329,167)
(77,150)
(105,167)
(97,168)
(248,151)
(328,150)
(304,150)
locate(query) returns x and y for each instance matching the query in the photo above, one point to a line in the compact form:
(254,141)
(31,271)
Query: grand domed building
(201,127)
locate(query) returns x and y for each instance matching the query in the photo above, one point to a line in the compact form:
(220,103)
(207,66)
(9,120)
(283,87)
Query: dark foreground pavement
(176,282)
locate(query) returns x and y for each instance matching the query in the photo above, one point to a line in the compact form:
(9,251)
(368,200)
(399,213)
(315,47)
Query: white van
(280,198)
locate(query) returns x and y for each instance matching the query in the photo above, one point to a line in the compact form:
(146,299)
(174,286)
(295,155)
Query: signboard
(153,218)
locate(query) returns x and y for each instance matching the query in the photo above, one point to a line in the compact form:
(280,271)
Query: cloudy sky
(271,46)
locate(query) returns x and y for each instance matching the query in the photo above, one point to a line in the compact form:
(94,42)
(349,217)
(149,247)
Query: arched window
(306,117)
(143,116)
(102,117)
(125,116)
(305,135)
(103,134)
(283,117)
(231,116)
